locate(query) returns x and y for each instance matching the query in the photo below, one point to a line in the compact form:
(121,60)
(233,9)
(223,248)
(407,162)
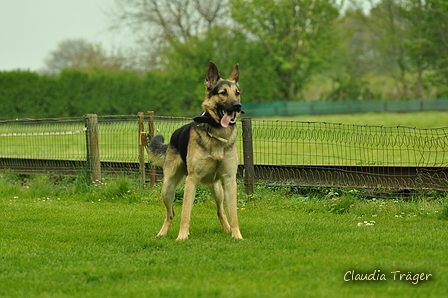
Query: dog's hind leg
(218,195)
(170,181)
(189,193)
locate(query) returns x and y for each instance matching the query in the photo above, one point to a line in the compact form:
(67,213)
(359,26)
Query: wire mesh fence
(321,154)
(43,138)
(321,143)
(282,152)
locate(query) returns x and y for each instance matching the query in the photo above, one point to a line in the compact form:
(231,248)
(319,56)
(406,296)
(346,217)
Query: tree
(402,38)
(437,32)
(352,61)
(168,25)
(82,55)
(388,41)
(299,35)
(186,65)
(185,35)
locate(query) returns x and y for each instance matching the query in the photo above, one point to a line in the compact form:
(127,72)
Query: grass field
(66,238)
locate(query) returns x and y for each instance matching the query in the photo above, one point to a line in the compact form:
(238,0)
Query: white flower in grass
(367,223)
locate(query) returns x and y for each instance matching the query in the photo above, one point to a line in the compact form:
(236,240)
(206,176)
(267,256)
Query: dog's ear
(212,75)
(235,74)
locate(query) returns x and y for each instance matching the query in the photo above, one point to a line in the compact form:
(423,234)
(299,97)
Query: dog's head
(222,97)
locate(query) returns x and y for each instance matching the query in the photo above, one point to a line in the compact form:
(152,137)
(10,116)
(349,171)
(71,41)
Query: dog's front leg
(189,194)
(229,184)
(218,195)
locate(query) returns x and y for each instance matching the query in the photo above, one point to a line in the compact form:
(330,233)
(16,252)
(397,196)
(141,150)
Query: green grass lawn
(75,240)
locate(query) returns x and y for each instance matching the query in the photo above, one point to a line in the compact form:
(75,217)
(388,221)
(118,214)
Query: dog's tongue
(225,120)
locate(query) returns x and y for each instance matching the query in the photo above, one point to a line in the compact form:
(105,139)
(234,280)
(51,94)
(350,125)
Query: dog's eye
(223,93)
(237,93)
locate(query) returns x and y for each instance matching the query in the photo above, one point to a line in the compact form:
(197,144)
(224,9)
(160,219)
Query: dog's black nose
(236,106)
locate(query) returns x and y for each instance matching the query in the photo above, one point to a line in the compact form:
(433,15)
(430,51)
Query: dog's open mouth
(228,113)
(227,118)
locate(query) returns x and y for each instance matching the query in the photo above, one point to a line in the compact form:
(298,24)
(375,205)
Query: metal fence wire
(289,153)
(321,154)
(321,143)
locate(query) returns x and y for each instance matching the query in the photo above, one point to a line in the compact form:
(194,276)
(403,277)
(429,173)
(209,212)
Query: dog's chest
(215,155)
(215,147)
(215,168)
(209,158)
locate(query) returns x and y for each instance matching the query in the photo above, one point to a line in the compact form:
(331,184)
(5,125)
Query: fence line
(60,133)
(290,108)
(273,152)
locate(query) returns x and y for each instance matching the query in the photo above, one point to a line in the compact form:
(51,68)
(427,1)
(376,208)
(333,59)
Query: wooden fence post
(93,149)
(248,152)
(142,141)
(152,171)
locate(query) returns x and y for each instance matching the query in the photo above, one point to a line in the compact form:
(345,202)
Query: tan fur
(212,160)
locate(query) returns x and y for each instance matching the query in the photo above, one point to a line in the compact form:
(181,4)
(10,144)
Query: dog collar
(206,118)
(218,138)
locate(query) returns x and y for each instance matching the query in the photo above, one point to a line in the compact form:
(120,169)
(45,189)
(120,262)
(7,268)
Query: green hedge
(75,93)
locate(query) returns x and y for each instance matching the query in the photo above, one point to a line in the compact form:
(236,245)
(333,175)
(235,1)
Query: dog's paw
(237,234)
(183,236)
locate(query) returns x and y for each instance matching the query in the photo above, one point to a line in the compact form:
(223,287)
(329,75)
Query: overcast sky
(31,29)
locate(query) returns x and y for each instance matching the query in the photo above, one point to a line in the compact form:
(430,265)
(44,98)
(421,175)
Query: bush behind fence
(281,152)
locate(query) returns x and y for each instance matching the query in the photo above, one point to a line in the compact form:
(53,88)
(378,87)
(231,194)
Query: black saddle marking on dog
(180,138)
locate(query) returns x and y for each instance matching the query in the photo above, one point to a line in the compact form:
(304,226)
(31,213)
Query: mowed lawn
(69,239)
(102,243)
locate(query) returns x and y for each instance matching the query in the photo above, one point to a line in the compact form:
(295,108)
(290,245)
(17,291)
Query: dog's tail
(157,150)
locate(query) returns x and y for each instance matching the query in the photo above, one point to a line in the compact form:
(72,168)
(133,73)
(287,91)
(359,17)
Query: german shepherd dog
(204,151)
